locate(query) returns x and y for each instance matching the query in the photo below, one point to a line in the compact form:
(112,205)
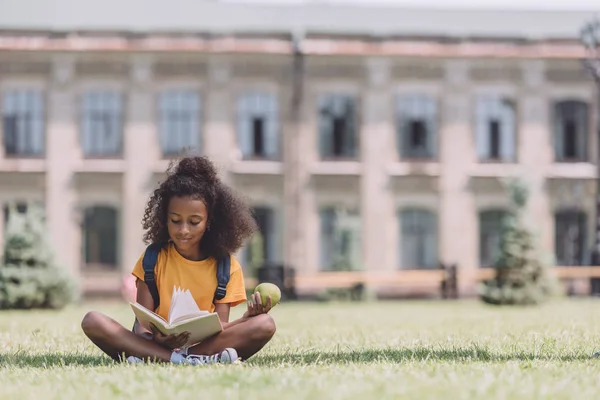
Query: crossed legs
(247,338)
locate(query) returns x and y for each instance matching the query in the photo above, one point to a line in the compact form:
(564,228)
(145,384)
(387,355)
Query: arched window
(490,233)
(261,247)
(100,233)
(570,237)
(419,239)
(340,239)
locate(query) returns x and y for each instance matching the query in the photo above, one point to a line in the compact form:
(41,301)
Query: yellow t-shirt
(200,277)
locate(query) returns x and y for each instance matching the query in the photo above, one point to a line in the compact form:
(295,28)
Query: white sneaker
(227,356)
(134,360)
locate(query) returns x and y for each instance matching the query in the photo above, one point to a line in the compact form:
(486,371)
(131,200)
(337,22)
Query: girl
(196,219)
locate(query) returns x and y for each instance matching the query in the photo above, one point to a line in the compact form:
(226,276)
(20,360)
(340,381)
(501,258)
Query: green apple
(268,289)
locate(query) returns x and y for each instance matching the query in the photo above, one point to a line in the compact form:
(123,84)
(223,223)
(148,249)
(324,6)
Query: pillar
(377,211)
(140,154)
(62,141)
(219,140)
(2,227)
(298,196)
(457,215)
(535,150)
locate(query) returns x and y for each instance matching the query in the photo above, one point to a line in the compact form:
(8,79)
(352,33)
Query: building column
(61,212)
(458,224)
(2,227)
(535,150)
(140,154)
(219,142)
(376,137)
(298,195)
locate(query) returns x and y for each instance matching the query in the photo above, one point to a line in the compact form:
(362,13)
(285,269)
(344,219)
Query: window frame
(106,104)
(29,104)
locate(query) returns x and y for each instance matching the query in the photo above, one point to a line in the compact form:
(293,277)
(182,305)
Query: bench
(343,282)
(421,281)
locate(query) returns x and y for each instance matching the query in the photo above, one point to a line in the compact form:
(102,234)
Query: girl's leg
(115,340)
(247,338)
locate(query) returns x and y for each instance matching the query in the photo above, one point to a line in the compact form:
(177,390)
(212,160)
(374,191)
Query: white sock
(177,358)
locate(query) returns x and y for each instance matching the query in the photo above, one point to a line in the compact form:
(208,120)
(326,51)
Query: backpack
(149,262)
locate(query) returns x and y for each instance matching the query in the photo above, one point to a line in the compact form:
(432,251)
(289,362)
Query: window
(258,137)
(418,239)
(18,207)
(179,122)
(494,139)
(258,126)
(100,237)
(337,127)
(570,131)
(490,233)
(261,248)
(340,239)
(23,123)
(417,126)
(570,237)
(495,130)
(102,124)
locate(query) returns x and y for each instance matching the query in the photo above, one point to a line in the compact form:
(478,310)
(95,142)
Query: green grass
(417,350)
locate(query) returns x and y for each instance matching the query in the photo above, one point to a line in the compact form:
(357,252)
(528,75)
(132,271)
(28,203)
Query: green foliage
(29,275)
(522,277)
(256,256)
(346,234)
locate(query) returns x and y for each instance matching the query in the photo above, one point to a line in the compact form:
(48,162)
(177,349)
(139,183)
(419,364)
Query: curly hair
(230,219)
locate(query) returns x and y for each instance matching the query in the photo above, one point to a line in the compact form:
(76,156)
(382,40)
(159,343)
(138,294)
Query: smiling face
(186,222)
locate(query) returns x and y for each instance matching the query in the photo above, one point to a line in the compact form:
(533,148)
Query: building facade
(382,156)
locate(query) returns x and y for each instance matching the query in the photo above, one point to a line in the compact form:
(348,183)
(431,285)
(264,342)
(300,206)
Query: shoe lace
(200,359)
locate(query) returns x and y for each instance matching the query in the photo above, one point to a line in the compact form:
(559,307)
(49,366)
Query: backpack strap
(148,263)
(223,267)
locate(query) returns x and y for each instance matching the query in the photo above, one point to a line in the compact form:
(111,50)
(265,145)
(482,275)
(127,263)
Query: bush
(522,278)
(29,275)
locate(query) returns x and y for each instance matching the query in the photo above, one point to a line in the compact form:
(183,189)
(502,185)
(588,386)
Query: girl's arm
(223,309)
(255,307)
(144,297)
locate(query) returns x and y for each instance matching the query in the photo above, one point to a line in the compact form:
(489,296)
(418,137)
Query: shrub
(29,275)
(522,277)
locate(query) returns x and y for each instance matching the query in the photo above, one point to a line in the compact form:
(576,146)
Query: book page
(200,328)
(183,306)
(145,317)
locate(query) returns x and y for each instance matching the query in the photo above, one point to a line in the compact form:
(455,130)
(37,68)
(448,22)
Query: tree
(29,275)
(522,277)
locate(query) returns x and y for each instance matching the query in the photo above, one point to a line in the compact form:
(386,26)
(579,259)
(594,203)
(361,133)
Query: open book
(184,316)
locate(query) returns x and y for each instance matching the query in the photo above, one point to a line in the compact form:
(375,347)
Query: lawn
(417,350)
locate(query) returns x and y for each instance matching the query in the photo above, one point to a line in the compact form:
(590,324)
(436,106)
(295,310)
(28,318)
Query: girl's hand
(255,306)
(169,341)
